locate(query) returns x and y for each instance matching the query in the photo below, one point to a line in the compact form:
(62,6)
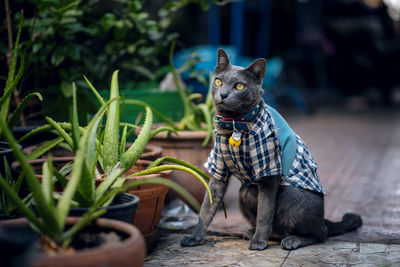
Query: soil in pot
(103,243)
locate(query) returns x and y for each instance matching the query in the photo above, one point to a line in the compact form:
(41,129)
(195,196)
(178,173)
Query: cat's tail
(349,222)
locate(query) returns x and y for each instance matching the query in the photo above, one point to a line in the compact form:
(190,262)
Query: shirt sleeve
(216,166)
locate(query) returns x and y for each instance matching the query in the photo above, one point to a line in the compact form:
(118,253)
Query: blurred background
(327,52)
(331,53)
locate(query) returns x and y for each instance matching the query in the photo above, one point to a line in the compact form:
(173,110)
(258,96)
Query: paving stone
(325,254)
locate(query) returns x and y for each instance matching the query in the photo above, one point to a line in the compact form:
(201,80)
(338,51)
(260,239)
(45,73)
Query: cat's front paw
(189,241)
(258,244)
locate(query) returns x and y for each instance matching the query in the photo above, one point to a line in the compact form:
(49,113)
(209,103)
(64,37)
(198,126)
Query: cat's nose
(224,95)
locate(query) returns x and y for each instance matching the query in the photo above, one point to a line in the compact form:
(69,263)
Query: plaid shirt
(260,155)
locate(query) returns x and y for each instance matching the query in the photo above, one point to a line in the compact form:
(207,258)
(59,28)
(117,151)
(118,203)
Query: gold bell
(235,139)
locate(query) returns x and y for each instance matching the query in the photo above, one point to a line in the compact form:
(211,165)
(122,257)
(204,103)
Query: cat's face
(236,90)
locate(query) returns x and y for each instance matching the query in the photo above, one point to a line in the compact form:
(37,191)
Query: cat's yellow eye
(218,82)
(239,86)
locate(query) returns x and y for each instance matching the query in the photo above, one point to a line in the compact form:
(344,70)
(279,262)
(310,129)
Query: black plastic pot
(122,208)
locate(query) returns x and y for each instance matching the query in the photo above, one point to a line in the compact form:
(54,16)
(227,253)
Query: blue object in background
(208,57)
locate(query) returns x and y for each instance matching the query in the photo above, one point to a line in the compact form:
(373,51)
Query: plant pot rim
(183,135)
(134,201)
(16,164)
(132,232)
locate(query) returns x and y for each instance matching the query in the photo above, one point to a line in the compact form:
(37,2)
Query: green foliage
(65,38)
(197,116)
(105,154)
(7,206)
(51,214)
(50,220)
(13,79)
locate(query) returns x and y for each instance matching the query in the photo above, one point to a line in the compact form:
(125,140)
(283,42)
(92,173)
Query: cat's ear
(222,61)
(257,69)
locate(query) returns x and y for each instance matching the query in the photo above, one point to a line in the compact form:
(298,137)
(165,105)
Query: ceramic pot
(128,251)
(151,203)
(58,163)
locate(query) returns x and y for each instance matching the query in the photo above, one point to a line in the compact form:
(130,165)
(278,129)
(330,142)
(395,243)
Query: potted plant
(56,232)
(110,160)
(50,220)
(152,196)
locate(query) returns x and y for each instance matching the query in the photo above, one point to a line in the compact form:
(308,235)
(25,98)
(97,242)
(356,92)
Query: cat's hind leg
(249,233)
(299,217)
(293,242)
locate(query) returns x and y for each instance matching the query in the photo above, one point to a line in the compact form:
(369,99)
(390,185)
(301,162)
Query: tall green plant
(106,140)
(51,215)
(13,79)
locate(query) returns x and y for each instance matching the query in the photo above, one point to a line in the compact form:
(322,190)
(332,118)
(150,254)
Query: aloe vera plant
(51,214)
(107,157)
(7,207)
(13,79)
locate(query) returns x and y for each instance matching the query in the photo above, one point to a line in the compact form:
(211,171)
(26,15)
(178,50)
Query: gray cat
(281,192)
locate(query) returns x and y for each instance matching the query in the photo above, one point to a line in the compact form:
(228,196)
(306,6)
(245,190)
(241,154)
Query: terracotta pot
(56,152)
(151,203)
(186,146)
(130,251)
(58,163)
